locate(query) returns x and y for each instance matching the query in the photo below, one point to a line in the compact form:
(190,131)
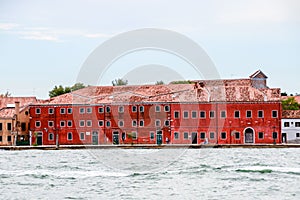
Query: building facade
(240,111)
(14,120)
(291,126)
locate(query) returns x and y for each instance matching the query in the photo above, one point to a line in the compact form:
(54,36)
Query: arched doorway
(249,135)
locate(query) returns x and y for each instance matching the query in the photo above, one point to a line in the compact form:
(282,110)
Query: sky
(44,43)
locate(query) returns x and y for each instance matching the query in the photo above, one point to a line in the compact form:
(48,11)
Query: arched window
(70,136)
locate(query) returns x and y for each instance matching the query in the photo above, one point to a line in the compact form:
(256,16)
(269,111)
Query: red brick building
(241,111)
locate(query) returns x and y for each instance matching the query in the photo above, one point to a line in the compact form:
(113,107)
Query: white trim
(81,121)
(83,136)
(178,114)
(194,112)
(158,110)
(89,123)
(68,136)
(81,110)
(202,111)
(245,135)
(89,110)
(184,112)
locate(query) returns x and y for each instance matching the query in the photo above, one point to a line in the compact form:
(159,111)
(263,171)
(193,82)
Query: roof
(258,74)
(291,114)
(238,90)
(24,101)
(7,112)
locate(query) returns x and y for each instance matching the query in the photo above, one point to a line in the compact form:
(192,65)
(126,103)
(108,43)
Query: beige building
(14,120)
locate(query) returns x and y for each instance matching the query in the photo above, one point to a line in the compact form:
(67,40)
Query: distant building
(239,111)
(14,120)
(291,126)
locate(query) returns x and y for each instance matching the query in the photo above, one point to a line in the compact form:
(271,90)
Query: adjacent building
(238,111)
(14,120)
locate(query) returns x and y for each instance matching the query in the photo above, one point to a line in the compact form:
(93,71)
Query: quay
(147,146)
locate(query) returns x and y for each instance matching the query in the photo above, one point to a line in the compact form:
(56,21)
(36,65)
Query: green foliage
(119,81)
(290,104)
(59,90)
(182,82)
(159,83)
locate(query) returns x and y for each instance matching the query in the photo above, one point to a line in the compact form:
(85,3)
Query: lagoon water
(150,174)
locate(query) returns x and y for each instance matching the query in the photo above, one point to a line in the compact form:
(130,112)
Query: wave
(268,170)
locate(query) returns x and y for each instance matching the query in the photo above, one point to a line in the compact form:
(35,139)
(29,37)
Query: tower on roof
(259,80)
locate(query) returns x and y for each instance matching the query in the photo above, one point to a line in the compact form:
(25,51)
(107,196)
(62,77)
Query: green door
(159,137)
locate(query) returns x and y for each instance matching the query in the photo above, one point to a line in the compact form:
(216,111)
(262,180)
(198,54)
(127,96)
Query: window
(133,108)
(121,109)
(9,127)
(260,114)
(211,114)
(176,114)
(237,114)
(50,110)
(286,124)
(70,136)
(151,135)
(141,123)
(167,108)
(100,110)
(211,135)
(37,124)
(186,135)
(37,111)
(69,110)
(134,123)
(237,135)
(202,114)
(101,123)
(121,123)
(134,135)
(81,110)
(157,123)
(202,135)
(69,123)
(89,110)
(108,123)
(223,114)
(0,138)
(82,136)
(89,123)
(274,113)
(297,124)
(157,108)
(194,114)
(167,123)
(248,113)
(23,126)
(81,123)
(223,135)
(62,111)
(297,134)
(275,135)
(62,123)
(260,135)
(50,123)
(50,136)
(141,108)
(9,138)
(185,114)
(176,135)
(1,126)
(108,109)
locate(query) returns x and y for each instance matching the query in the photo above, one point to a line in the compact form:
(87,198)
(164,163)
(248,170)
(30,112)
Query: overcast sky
(45,43)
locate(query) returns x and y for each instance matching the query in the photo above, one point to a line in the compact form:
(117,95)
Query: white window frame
(89,110)
(81,110)
(101,110)
(62,111)
(134,123)
(225,113)
(35,124)
(247,114)
(194,112)
(82,133)
(64,123)
(37,111)
(69,110)
(81,122)
(68,136)
(143,123)
(89,123)
(141,109)
(68,123)
(202,111)
(157,108)
(121,109)
(50,122)
(157,123)
(177,111)
(261,112)
(49,111)
(121,123)
(49,136)
(167,110)
(276,114)
(185,112)
(100,121)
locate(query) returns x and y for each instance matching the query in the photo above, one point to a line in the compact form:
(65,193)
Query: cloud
(8,26)
(47,33)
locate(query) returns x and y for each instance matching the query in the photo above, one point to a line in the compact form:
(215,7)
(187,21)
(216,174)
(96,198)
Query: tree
(119,81)
(159,83)
(59,90)
(182,82)
(7,94)
(290,104)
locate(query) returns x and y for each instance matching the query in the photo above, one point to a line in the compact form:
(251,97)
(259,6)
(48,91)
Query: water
(191,174)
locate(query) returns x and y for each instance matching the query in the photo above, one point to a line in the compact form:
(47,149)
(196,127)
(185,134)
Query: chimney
(17,109)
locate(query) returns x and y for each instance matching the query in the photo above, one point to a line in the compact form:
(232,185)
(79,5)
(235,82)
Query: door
(95,138)
(159,137)
(249,136)
(284,138)
(116,137)
(39,139)
(194,138)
